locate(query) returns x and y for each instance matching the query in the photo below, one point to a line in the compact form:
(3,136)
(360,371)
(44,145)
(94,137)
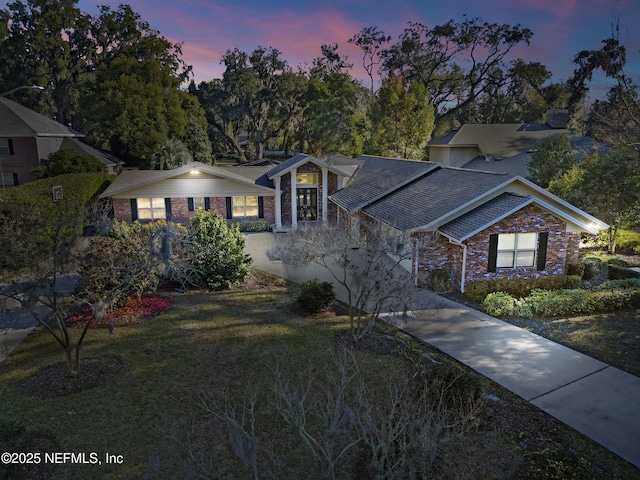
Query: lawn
(201,392)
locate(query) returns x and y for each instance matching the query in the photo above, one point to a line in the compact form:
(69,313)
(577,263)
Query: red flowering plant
(133,310)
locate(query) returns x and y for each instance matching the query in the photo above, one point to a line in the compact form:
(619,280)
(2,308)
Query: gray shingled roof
(489,213)
(379,176)
(433,196)
(134,178)
(299,159)
(19,121)
(76,145)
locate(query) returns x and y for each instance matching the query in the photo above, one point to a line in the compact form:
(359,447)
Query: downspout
(464,267)
(416,261)
(463,273)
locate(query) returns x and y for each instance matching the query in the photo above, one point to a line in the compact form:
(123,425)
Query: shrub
(618,272)
(633,283)
(440,280)
(119,263)
(593,266)
(500,304)
(315,296)
(251,225)
(520,287)
(218,254)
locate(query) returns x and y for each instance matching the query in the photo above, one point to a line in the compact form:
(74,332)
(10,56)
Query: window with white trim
(516,250)
(244,207)
(151,208)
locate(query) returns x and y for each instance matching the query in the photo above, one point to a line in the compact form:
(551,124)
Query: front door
(307,203)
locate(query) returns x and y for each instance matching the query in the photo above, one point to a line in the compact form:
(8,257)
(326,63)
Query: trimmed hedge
(547,303)
(251,225)
(520,287)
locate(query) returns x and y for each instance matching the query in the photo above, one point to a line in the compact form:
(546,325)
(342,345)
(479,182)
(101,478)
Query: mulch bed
(54,381)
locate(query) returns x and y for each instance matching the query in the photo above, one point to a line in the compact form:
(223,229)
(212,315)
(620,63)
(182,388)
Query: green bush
(315,296)
(440,280)
(218,255)
(555,303)
(519,287)
(618,272)
(593,266)
(500,304)
(633,283)
(251,225)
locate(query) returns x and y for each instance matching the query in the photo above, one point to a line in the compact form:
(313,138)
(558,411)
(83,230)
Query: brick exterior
(285,188)
(180,209)
(436,252)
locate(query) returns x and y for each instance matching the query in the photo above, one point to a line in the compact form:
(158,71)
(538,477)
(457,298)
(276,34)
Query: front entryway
(307,204)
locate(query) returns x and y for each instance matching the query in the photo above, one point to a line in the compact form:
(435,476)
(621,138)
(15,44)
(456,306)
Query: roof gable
(132,179)
(19,121)
(298,160)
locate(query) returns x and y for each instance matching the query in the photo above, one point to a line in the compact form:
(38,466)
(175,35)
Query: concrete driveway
(592,397)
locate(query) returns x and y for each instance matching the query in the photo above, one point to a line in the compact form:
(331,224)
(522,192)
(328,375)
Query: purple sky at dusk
(207,28)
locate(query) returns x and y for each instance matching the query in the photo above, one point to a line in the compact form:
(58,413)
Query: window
(6,146)
(198,203)
(244,207)
(307,178)
(516,250)
(8,180)
(151,208)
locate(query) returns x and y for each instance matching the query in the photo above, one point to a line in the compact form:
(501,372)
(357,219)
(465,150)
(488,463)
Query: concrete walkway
(592,397)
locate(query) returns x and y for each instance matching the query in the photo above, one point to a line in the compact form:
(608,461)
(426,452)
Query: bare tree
(365,261)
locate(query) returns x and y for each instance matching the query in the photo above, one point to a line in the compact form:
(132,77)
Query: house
(27,137)
(472,224)
(503,148)
(300,185)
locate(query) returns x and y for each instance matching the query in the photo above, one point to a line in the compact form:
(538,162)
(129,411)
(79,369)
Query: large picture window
(151,208)
(244,207)
(516,250)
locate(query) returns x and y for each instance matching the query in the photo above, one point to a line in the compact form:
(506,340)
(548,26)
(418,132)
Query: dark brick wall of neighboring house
(180,209)
(562,249)
(24,159)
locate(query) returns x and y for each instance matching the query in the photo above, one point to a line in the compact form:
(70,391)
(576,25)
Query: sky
(208,28)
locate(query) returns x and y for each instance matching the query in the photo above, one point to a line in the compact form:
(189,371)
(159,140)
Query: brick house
(471,224)
(240,193)
(27,137)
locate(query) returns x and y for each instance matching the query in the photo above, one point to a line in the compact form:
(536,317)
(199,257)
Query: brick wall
(437,252)
(180,209)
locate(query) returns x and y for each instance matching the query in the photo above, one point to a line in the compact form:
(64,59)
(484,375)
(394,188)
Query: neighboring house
(473,224)
(27,137)
(502,148)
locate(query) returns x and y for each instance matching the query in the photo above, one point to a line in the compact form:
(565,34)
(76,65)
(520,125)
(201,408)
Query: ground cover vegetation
(227,385)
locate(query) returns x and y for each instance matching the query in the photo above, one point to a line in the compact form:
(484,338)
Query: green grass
(220,348)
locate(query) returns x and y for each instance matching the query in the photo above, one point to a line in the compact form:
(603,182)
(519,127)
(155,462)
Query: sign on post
(57,193)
